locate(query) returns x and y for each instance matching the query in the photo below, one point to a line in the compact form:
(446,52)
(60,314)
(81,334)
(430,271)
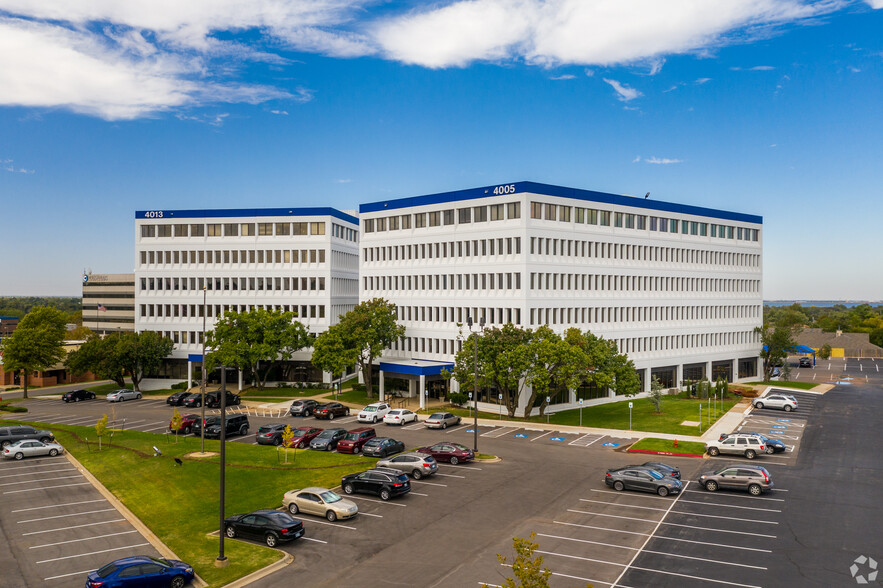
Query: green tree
(176,422)
(527,569)
(775,341)
(37,343)
(142,354)
(287,437)
(101,429)
(825,352)
(557,365)
(331,354)
(604,366)
(99,356)
(256,341)
(656,394)
(366,331)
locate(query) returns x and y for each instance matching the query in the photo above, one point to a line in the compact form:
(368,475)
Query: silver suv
(776,400)
(755,479)
(746,445)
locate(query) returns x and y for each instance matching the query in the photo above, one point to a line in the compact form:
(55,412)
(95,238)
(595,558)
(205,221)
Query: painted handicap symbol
(521,435)
(557,439)
(608,444)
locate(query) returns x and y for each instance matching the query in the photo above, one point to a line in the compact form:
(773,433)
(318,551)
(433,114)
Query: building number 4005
(507,189)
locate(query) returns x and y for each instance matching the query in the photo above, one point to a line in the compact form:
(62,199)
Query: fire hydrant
(676,442)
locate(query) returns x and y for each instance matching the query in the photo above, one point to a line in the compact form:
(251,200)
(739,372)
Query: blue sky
(769,107)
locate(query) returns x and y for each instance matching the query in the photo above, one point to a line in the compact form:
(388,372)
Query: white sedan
(120,395)
(400,416)
(31,448)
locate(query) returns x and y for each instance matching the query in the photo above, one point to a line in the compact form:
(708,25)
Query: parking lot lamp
(222,559)
(202,385)
(475,381)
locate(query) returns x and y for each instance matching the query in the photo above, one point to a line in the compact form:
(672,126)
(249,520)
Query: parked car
(355,439)
(642,478)
(451,452)
(441,420)
(785,402)
(327,439)
(236,424)
(271,526)
(77,395)
(200,423)
(753,478)
(775,374)
(748,446)
(662,468)
(9,435)
(416,465)
(187,422)
(772,445)
(805,362)
(303,407)
(177,398)
(329,410)
(383,482)
(213,399)
(382,446)
(320,502)
(31,448)
(141,570)
(400,416)
(123,394)
(270,434)
(373,412)
(192,400)
(303,436)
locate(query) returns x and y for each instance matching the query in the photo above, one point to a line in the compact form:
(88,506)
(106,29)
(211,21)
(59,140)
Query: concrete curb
(155,541)
(665,453)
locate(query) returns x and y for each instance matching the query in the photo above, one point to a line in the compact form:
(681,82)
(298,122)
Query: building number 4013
(506,189)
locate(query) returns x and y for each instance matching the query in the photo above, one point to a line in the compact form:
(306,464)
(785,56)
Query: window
(672,225)
(564,216)
(393,223)
(381,224)
(604,218)
(231,229)
(434,219)
(181,231)
(420,220)
(630,221)
(148,230)
(496,211)
(449,216)
(536,210)
(214,230)
(513,209)
(265,229)
(246,229)
(480,214)
(283,228)
(197,230)
(164,230)
(406,221)
(551,212)
(703,229)
(617,219)
(317,228)
(368,225)
(465,215)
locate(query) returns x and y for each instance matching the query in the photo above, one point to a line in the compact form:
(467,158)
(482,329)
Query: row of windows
(627,314)
(217,311)
(342,232)
(605,250)
(457,314)
(234,229)
(483,281)
(233,256)
(93,308)
(590,216)
(253,284)
(474,247)
(87,296)
(601,282)
(471,214)
(92,285)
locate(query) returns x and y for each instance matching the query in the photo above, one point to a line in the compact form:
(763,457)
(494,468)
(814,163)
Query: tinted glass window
(107,570)
(655,475)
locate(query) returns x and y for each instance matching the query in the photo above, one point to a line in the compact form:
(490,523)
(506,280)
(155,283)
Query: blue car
(141,571)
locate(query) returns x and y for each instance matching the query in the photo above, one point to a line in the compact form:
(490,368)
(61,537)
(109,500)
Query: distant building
(109,302)
(842,344)
(7,325)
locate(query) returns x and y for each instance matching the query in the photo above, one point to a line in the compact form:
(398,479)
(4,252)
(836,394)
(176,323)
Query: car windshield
(330,497)
(394,412)
(352,436)
(162,562)
(280,518)
(370,409)
(212,421)
(300,432)
(655,474)
(373,442)
(326,435)
(437,415)
(460,447)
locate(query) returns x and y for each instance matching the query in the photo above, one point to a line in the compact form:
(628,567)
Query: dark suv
(384,482)
(354,440)
(9,435)
(237,424)
(270,434)
(303,407)
(805,362)
(213,399)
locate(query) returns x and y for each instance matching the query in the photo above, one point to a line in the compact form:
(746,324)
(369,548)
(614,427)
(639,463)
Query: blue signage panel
(610,444)
(522,435)
(779,427)
(784,420)
(557,438)
(472,431)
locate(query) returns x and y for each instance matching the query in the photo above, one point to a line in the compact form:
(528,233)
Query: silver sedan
(320,502)
(441,420)
(31,448)
(120,395)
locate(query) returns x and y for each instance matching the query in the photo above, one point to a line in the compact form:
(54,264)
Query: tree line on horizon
(863,318)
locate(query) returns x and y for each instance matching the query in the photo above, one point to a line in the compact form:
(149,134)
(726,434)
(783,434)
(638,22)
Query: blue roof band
(415,370)
(549,190)
(238,212)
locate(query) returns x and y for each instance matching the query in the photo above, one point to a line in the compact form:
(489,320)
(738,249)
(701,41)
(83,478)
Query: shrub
(458,398)
(178,386)
(12,408)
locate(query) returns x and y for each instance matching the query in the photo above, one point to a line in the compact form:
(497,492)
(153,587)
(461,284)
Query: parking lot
(57,526)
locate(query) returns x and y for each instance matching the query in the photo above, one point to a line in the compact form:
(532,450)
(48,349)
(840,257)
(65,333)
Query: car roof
(314,489)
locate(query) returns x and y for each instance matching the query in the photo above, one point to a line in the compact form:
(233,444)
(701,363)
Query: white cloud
(282,112)
(342,181)
(563,77)
(773,145)
(636,159)
(755,68)
(624,93)
(853,68)
(701,81)
(875,3)
(590,73)
(7,165)
(662,160)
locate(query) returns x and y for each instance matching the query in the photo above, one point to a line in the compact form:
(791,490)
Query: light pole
(202,402)
(222,559)
(475,381)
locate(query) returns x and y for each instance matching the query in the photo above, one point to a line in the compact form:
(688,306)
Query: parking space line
(459,467)
(84,539)
(613,492)
(25,467)
(587,541)
(450,475)
(623,505)
(457,428)
(709,516)
(691,577)
(714,544)
(38,473)
(92,553)
(429,483)
(313,540)
(154,429)
(578,439)
(726,563)
(417,493)
(73,514)
(40,480)
(580,578)
(500,432)
(705,493)
(370,514)
(541,436)
(69,575)
(731,505)
(671,524)
(66,504)
(72,527)
(333,524)
(376,501)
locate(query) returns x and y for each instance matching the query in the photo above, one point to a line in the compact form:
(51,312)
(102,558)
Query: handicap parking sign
(779,427)
(557,439)
(784,420)
(521,435)
(472,431)
(610,444)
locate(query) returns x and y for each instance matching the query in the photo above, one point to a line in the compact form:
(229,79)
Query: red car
(354,440)
(453,453)
(303,436)
(329,410)
(187,422)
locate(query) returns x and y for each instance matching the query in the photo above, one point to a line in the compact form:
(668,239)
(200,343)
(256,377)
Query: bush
(178,386)
(12,408)
(458,398)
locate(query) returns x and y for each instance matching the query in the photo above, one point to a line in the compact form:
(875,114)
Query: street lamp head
(481,323)
(469,321)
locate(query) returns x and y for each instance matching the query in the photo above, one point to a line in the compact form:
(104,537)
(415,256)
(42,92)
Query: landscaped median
(657,446)
(180,503)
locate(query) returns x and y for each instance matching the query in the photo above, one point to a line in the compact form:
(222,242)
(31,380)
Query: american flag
(102,308)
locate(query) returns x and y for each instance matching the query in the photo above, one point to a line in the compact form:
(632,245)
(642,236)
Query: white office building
(303,260)
(678,288)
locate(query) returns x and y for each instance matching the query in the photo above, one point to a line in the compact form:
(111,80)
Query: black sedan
(644,479)
(177,399)
(77,395)
(662,468)
(382,447)
(193,400)
(268,525)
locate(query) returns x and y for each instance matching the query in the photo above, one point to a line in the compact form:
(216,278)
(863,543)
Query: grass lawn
(615,415)
(655,444)
(798,385)
(282,393)
(180,504)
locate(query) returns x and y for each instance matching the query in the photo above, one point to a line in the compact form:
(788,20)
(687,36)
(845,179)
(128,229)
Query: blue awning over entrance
(416,367)
(796,349)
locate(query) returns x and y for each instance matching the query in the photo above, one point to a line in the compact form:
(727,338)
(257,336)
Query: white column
(679,377)
(189,374)
(708,371)
(241,380)
(381,388)
(422,391)
(647,379)
(412,386)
